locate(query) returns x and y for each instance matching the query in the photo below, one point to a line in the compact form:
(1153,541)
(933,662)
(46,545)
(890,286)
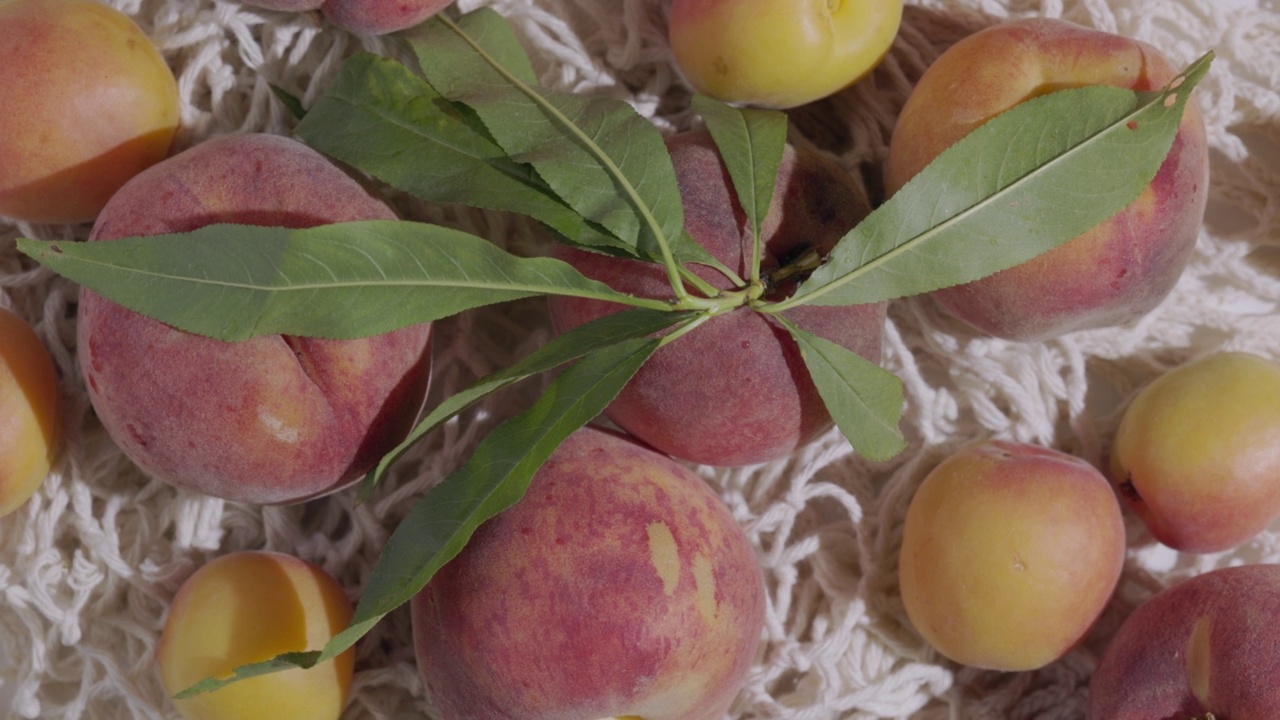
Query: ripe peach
(89,105)
(272,419)
(1116,272)
(30,412)
(248,607)
(1009,553)
(735,391)
(779,53)
(620,585)
(1197,453)
(380,17)
(1205,645)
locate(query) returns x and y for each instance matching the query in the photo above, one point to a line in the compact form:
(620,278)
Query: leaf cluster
(470,125)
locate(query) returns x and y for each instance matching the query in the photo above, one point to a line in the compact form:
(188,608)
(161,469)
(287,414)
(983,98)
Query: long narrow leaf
(864,399)
(497,474)
(602,157)
(380,117)
(1028,180)
(595,335)
(343,280)
(751,142)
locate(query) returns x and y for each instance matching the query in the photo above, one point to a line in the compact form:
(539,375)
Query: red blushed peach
(619,585)
(30,412)
(1009,553)
(249,607)
(272,419)
(1205,645)
(380,17)
(88,103)
(1116,272)
(735,390)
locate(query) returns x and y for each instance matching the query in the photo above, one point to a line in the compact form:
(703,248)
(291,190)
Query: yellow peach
(779,53)
(1197,453)
(30,412)
(1010,551)
(248,607)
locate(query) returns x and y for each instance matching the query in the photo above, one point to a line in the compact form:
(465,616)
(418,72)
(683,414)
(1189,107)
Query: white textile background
(88,566)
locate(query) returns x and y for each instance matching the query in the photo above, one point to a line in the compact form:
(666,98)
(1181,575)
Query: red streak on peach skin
(1231,614)
(556,609)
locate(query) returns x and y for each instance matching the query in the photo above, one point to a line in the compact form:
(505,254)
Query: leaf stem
(646,213)
(702,286)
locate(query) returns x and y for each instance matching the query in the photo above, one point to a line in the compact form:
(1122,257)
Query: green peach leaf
(380,117)
(496,476)
(751,142)
(1026,181)
(285,661)
(864,399)
(595,335)
(598,154)
(343,280)
(290,101)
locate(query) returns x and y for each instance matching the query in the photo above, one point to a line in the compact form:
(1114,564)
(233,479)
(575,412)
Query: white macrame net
(88,566)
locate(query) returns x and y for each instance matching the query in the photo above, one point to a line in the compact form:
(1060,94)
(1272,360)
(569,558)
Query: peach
(735,390)
(1010,552)
(380,17)
(91,104)
(30,412)
(273,419)
(1197,452)
(248,607)
(1122,268)
(779,53)
(1204,647)
(619,585)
